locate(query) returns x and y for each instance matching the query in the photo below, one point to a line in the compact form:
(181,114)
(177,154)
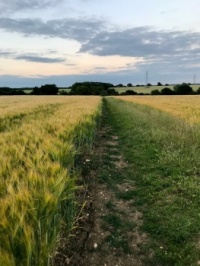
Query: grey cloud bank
(75,29)
(95,39)
(141,42)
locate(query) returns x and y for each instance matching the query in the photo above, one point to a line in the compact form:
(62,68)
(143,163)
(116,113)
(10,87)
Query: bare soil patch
(108,231)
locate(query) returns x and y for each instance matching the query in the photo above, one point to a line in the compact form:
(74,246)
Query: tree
(112,92)
(129,85)
(83,90)
(167,91)
(9,91)
(198,91)
(48,89)
(155,92)
(91,88)
(35,91)
(183,89)
(119,85)
(159,84)
(130,92)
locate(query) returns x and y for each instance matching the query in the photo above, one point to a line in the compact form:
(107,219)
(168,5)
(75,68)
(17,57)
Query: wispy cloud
(6,54)
(39,59)
(10,6)
(33,57)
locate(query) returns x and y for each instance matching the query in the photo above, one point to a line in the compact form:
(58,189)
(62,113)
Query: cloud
(70,64)
(162,51)
(39,59)
(100,68)
(6,54)
(141,42)
(76,29)
(10,6)
(95,37)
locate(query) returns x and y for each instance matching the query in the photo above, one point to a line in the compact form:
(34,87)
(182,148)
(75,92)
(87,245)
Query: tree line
(96,88)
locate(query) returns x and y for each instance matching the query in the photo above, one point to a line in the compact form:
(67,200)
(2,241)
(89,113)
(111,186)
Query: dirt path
(114,238)
(109,233)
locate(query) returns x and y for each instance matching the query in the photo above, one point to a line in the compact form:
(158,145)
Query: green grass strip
(163,154)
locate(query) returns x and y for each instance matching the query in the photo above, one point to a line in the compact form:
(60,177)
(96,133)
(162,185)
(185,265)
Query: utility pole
(146,78)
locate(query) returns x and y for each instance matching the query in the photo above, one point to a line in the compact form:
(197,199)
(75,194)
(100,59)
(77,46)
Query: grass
(163,154)
(118,229)
(39,148)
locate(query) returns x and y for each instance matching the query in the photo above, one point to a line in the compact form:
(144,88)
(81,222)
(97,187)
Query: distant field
(145,89)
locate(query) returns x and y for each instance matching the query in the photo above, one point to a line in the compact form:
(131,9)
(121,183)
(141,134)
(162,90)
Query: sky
(66,41)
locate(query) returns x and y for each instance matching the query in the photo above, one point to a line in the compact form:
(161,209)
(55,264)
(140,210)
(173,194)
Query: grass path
(109,231)
(162,154)
(114,238)
(144,193)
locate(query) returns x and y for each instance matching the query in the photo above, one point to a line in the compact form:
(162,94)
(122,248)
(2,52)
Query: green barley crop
(39,140)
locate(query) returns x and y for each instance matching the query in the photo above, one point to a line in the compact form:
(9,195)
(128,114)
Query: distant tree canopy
(48,89)
(167,91)
(198,91)
(129,92)
(155,92)
(97,88)
(183,89)
(9,91)
(119,85)
(92,88)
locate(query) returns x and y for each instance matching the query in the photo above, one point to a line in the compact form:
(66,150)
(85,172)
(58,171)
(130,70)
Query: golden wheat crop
(186,107)
(39,140)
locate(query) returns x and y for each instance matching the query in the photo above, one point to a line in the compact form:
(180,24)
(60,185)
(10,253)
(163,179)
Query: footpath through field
(115,235)
(110,233)
(143,190)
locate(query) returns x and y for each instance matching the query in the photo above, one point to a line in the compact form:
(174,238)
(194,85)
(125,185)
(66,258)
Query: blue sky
(61,42)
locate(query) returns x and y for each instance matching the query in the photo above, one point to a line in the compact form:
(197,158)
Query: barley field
(186,107)
(40,138)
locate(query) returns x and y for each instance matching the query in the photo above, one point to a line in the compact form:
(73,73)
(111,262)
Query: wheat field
(39,140)
(186,107)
